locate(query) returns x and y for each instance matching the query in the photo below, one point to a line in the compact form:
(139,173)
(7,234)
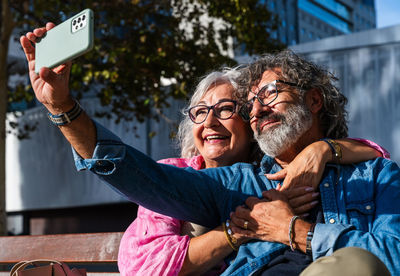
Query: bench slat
(69,248)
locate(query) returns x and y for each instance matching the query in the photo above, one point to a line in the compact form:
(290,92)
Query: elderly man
(291,104)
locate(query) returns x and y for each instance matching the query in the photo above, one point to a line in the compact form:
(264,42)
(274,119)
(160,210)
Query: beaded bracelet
(310,235)
(229,235)
(291,231)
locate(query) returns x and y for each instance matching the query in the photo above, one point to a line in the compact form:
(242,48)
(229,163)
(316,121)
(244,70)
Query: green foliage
(139,43)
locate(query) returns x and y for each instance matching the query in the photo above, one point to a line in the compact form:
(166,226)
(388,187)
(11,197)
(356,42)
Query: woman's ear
(314,100)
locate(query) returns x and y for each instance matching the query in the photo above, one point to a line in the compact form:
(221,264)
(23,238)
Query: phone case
(66,41)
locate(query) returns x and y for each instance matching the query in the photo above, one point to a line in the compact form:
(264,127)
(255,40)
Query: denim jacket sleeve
(371,222)
(185,194)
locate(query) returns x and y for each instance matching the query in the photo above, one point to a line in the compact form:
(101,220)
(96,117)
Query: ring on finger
(246,224)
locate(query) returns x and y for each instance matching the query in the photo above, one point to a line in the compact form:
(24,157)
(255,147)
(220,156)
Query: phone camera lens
(79,20)
(76,27)
(73,23)
(83,17)
(81,25)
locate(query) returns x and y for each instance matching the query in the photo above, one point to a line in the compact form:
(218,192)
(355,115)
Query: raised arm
(52,90)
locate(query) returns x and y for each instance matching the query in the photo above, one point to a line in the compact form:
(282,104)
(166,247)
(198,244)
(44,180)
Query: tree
(141,44)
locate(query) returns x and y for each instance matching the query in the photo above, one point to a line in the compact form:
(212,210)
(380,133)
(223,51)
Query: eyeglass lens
(222,110)
(266,95)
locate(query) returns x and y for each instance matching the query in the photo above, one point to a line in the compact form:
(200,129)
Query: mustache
(270,117)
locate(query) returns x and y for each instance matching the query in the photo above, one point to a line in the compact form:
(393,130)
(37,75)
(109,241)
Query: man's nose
(259,110)
(211,120)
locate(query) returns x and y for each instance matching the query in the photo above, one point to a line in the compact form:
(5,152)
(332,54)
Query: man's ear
(314,100)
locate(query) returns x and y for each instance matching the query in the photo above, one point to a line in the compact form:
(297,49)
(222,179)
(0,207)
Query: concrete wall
(368,67)
(40,172)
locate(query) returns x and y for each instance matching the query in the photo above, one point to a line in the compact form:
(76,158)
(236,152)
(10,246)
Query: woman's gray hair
(306,75)
(185,137)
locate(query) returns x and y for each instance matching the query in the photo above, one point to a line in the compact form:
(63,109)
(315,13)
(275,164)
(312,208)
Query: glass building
(308,20)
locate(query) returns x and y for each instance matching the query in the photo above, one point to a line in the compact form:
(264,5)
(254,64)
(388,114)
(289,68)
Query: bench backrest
(88,248)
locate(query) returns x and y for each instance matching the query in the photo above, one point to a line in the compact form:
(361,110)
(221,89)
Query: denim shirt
(360,202)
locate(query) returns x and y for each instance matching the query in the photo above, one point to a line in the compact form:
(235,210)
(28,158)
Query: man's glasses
(265,96)
(222,110)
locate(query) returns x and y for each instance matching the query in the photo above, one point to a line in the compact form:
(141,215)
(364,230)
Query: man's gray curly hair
(306,75)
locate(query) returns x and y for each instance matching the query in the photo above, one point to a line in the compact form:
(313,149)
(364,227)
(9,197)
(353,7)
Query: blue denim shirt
(360,202)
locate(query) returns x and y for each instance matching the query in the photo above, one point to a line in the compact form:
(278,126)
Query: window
(335,7)
(324,15)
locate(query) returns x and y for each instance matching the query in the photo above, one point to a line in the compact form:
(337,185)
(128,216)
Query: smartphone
(66,41)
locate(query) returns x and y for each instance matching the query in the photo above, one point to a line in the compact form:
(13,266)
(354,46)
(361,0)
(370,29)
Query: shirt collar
(268,164)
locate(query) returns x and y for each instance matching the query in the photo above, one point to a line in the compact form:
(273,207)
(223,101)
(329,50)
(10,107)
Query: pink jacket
(153,244)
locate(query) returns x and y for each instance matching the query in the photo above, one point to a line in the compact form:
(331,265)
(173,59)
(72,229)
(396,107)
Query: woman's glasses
(223,110)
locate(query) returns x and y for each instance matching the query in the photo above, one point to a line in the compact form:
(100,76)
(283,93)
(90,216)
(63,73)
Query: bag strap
(23,264)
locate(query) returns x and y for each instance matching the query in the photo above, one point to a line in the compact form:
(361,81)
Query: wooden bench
(97,252)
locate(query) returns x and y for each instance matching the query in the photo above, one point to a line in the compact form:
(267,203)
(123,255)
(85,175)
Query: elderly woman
(213,135)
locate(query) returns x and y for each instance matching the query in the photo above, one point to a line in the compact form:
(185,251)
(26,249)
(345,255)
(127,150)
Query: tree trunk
(7,25)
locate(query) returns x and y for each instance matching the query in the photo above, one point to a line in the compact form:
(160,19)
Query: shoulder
(376,165)
(236,171)
(378,170)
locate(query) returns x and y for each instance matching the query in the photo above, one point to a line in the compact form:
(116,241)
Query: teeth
(215,137)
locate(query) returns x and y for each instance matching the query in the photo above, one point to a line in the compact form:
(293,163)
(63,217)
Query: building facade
(308,20)
(367,64)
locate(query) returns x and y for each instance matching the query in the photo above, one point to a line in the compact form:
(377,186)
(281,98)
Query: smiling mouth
(268,124)
(215,137)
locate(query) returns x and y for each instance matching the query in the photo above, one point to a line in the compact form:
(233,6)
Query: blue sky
(388,13)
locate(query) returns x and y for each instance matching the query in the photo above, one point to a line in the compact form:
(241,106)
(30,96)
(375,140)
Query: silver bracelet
(291,232)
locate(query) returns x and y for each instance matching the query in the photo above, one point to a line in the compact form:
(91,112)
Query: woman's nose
(211,120)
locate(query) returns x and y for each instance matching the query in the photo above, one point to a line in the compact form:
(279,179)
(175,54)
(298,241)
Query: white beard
(293,124)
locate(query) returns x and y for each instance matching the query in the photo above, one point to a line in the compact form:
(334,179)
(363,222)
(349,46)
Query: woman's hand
(306,169)
(301,199)
(50,85)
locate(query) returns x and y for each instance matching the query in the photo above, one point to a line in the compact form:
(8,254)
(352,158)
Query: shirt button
(332,220)
(326,185)
(368,207)
(144,232)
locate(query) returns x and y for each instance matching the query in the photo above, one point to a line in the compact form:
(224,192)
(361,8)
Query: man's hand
(268,219)
(51,85)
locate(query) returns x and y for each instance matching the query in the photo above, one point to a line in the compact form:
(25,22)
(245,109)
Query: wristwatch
(310,235)
(65,117)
